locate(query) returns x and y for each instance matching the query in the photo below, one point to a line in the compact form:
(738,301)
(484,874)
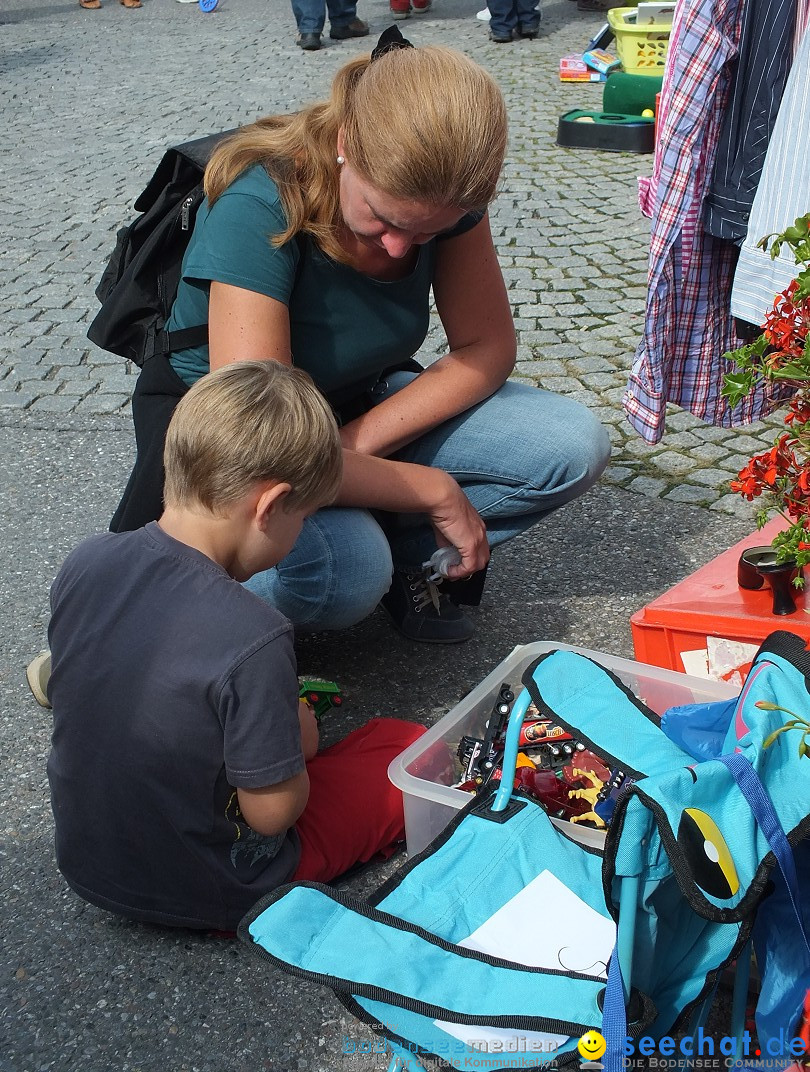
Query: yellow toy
(590,793)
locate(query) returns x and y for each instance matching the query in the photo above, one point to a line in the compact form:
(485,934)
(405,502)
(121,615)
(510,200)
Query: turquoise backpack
(507,940)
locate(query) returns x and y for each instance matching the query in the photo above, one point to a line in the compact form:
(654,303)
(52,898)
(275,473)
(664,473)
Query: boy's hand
(309,730)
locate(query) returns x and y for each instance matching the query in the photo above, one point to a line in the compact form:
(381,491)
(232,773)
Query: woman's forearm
(399,487)
(449,387)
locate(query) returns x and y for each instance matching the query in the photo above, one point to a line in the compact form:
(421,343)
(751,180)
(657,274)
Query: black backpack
(140,282)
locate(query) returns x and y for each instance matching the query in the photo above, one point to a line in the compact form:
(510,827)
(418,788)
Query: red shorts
(353,812)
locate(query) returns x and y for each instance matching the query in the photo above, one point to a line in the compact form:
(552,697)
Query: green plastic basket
(642,49)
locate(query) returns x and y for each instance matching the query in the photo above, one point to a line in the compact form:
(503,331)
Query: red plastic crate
(710,604)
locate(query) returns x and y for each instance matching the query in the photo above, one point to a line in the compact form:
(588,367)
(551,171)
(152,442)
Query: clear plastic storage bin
(425,774)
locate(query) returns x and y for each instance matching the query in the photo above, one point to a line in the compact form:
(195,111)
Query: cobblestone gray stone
(686,493)
(713,478)
(733,504)
(646,485)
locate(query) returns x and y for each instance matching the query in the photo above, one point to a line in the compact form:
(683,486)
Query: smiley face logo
(592,1045)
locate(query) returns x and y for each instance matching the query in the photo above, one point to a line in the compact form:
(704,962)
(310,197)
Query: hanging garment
(687,324)
(802,22)
(782,195)
(766,54)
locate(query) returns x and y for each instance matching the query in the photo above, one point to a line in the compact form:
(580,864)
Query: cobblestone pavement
(91,98)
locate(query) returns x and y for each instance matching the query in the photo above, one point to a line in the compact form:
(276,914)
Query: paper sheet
(545,925)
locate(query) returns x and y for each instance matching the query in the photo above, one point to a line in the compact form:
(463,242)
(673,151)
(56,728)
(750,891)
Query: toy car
(320,694)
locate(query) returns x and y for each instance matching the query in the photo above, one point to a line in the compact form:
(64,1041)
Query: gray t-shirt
(171,685)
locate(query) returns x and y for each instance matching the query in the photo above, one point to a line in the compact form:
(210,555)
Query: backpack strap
(749,784)
(169,342)
(332,938)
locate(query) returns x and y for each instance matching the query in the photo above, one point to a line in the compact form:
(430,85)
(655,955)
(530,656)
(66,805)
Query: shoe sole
(38,674)
(398,16)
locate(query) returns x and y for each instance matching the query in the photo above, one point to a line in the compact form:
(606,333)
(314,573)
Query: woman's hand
(403,487)
(458,524)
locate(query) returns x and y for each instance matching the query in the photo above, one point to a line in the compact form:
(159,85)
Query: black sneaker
(310,42)
(421,612)
(355,28)
(500,38)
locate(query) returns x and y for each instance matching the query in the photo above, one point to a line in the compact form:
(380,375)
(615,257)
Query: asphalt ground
(89,101)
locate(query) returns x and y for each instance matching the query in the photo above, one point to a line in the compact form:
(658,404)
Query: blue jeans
(310,14)
(518,455)
(507,15)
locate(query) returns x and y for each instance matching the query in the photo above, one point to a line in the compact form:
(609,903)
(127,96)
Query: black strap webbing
(169,342)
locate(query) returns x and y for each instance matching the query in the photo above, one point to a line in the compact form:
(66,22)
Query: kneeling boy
(183,770)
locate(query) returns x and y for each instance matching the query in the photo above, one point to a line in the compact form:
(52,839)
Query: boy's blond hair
(250,422)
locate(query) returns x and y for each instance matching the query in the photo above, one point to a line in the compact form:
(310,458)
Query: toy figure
(590,793)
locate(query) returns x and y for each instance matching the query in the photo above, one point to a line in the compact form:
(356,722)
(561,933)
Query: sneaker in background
(400,9)
(484,15)
(419,7)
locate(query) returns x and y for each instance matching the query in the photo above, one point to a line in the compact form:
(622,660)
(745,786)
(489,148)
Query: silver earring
(341,160)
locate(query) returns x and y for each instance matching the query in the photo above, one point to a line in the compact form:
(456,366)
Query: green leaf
(772,737)
(737,386)
(791,371)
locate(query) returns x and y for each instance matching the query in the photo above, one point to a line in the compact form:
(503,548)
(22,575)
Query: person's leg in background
(353,812)
(503,20)
(336,574)
(529,15)
(343,20)
(310,16)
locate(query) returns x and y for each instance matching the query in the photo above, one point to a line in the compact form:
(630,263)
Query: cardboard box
(601,61)
(655,14)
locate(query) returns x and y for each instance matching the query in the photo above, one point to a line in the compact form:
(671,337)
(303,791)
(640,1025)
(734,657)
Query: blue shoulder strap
(761,805)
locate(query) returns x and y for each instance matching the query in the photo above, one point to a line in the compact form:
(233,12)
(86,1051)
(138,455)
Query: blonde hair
(250,422)
(422,124)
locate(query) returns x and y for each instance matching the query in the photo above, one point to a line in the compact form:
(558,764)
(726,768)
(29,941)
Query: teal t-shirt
(345,327)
